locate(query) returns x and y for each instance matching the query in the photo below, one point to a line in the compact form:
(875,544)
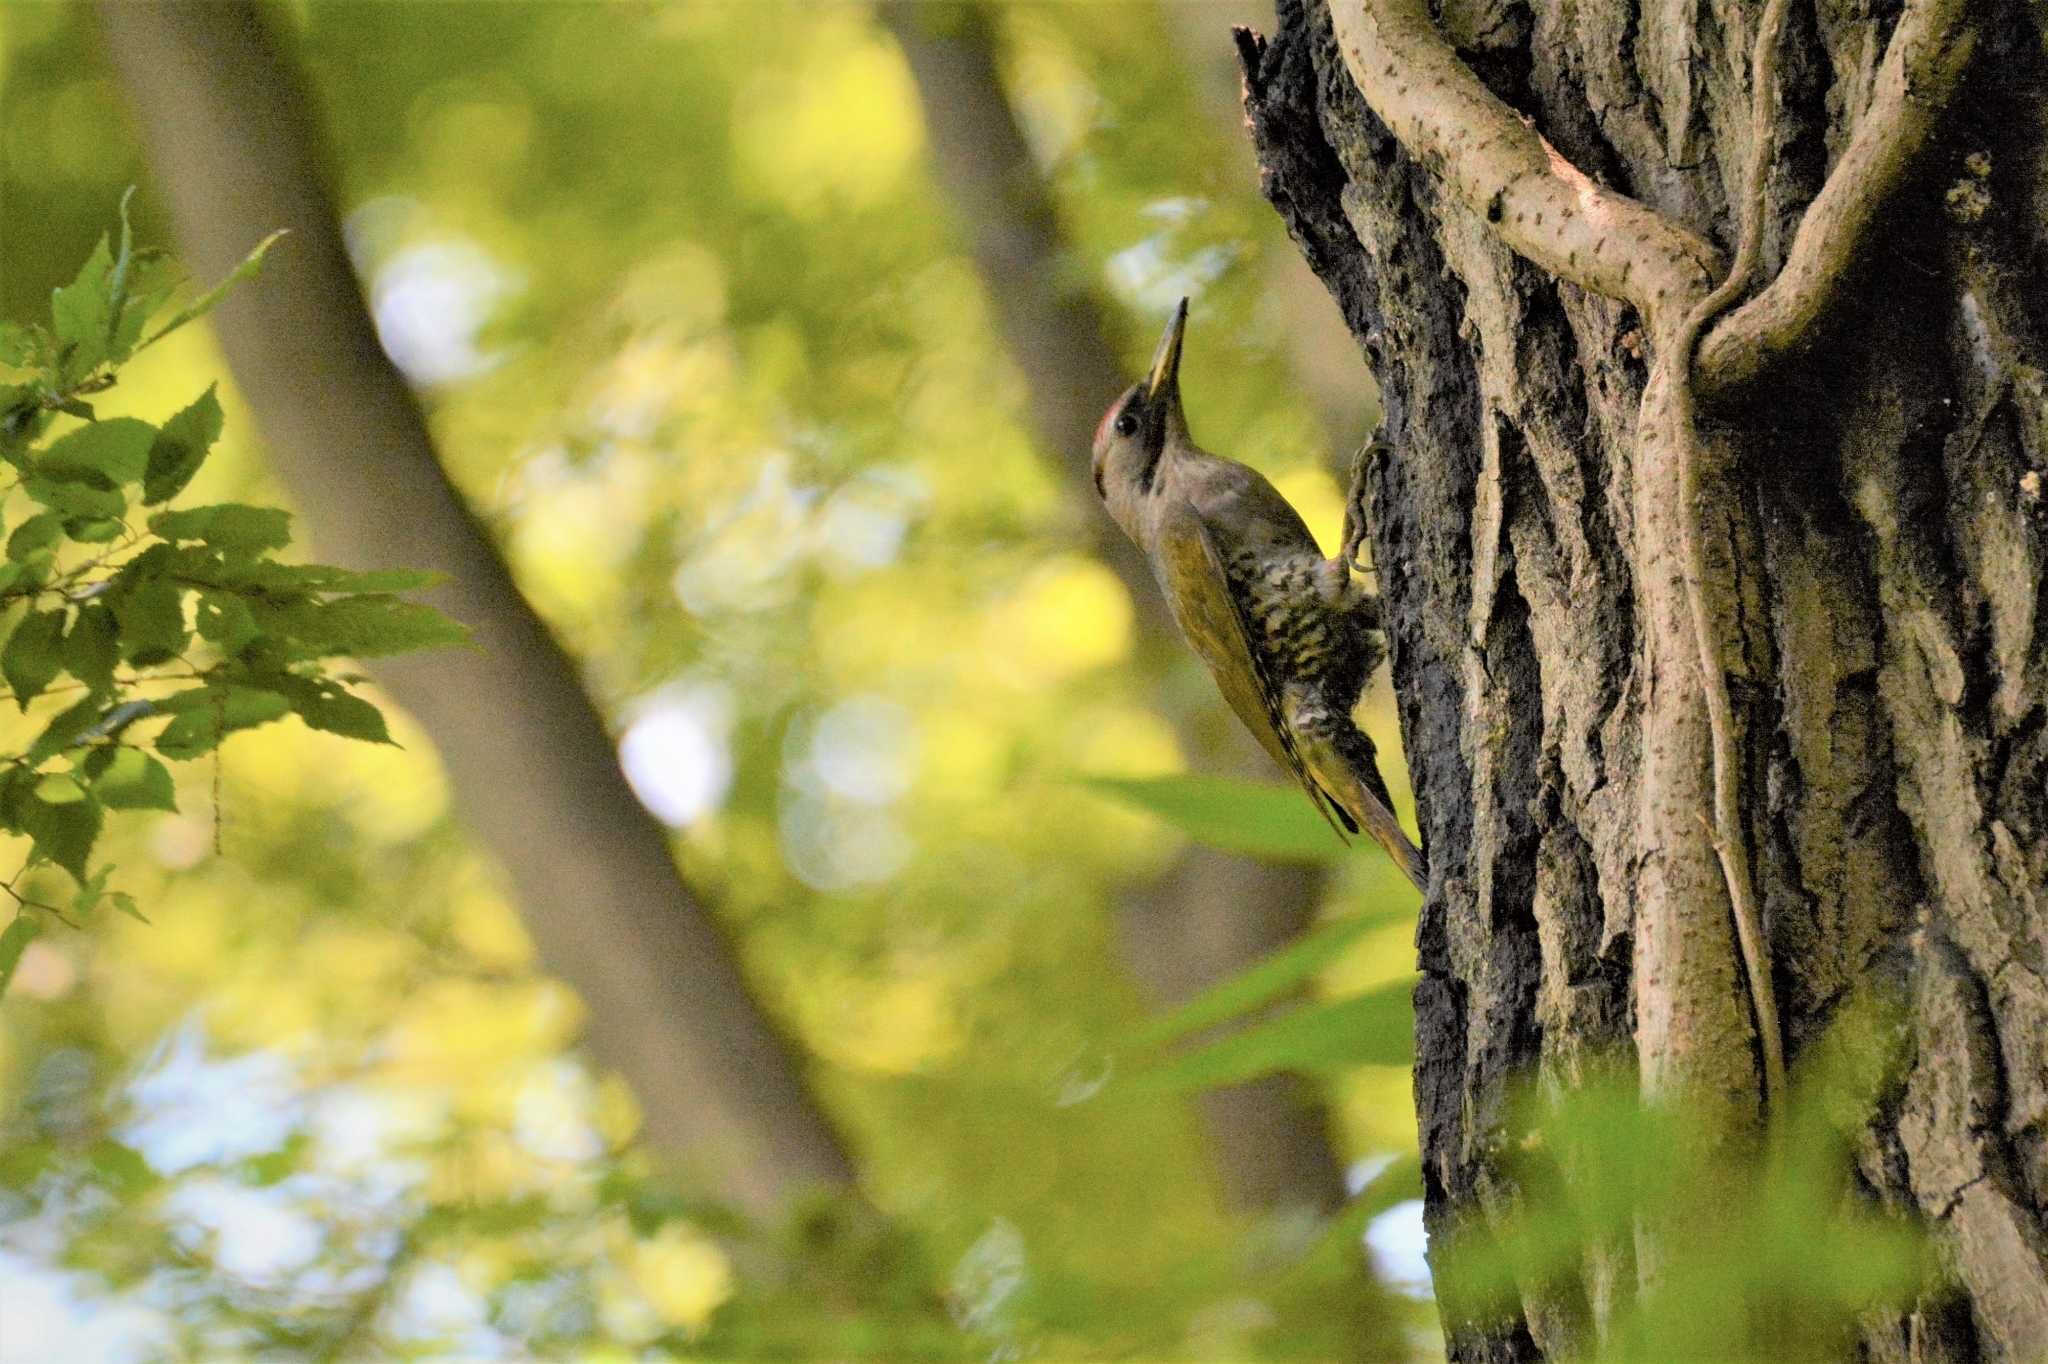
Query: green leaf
(59,788)
(14,940)
(94,530)
(64,831)
(20,346)
(210,300)
(152,620)
(132,780)
(74,498)
(232,527)
(153,279)
(92,647)
(1259,819)
(203,716)
(226,621)
(40,531)
(1375,1028)
(361,627)
(122,1166)
(181,447)
(106,453)
(325,704)
(81,313)
(63,730)
(30,661)
(1266,981)
(118,278)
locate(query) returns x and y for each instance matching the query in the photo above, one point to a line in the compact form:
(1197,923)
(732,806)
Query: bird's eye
(1126,425)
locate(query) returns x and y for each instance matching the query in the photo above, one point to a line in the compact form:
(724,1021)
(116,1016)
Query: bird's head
(1139,429)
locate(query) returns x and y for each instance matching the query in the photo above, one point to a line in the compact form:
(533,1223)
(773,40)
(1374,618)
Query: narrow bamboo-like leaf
(1266,981)
(1259,819)
(210,300)
(1375,1028)
(14,940)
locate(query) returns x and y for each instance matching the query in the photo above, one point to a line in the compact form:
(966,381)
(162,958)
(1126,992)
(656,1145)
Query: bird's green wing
(1208,612)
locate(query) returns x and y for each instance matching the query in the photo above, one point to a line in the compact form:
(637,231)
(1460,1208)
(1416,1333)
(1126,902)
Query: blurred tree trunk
(1210,915)
(1872,446)
(1331,372)
(236,150)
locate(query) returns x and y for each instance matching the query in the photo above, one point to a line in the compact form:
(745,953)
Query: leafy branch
(173,633)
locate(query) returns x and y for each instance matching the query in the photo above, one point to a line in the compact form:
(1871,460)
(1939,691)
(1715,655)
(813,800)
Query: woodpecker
(1288,635)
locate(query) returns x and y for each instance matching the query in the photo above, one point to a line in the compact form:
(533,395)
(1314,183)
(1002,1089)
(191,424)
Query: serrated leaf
(74,498)
(1259,819)
(325,704)
(30,661)
(153,279)
(93,530)
(14,941)
(40,531)
(1375,1028)
(63,831)
(1266,981)
(59,788)
(115,450)
(210,300)
(361,627)
(181,447)
(63,730)
(203,716)
(92,647)
(81,313)
(152,620)
(226,621)
(232,527)
(132,780)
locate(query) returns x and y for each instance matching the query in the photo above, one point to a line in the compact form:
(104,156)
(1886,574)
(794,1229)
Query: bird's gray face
(1133,439)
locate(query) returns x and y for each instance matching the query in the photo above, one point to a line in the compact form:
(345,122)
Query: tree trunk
(1851,533)
(235,148)
(1211,915)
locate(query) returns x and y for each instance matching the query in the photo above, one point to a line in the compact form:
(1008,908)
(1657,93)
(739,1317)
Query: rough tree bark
(1850,531)
(1209,916)
(236,151)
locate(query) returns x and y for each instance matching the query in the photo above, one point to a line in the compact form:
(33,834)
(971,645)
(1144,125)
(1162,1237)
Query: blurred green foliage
(173,633)
(699,338)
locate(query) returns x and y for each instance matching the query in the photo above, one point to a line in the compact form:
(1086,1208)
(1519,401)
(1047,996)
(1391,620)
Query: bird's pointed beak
(1166,360)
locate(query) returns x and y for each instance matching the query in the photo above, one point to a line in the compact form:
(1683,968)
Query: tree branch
(1731,842)
(1543,207)
(1924,64)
